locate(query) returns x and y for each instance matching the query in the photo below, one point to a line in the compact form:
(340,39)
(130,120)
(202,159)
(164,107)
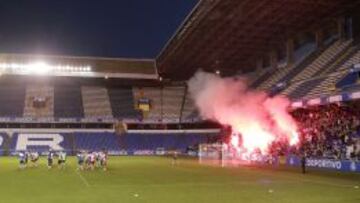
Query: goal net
(222,154)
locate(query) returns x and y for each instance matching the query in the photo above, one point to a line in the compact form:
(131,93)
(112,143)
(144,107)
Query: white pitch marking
(83,179)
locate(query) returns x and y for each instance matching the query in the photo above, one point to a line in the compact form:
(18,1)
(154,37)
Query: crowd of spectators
(330,131)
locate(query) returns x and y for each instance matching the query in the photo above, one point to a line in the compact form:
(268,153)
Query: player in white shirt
(92,160)
(62,159)
(34,157)
(97,159)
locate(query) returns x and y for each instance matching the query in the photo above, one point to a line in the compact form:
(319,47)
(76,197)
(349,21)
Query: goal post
(221,154)
(217,153)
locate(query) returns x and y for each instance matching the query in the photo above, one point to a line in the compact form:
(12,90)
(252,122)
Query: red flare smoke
(259,119)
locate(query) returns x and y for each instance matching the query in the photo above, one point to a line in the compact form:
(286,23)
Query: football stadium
(246,101)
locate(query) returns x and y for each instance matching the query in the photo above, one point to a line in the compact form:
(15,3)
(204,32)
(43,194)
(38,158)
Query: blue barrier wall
(127,144)
(327,164)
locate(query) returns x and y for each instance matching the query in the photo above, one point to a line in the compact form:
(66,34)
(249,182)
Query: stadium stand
(96,102)
(325,85)
(189,109)
(68,102)
(275,76)
(39,101)
(155,96)
(122,102)
(96,141)
(264,75)
(12,99)
(4,139)
(169,141)
(172,99)
(17,142)
(322,61)
(330,131)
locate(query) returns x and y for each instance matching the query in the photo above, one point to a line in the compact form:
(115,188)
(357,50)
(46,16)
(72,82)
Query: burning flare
(259,119)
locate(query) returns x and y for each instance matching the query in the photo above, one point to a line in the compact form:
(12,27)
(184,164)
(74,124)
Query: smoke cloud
(260,119)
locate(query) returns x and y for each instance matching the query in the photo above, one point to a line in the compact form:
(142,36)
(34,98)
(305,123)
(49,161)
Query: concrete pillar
(319,38)
(290,51)
(341,27)
(259,64)
(274,59)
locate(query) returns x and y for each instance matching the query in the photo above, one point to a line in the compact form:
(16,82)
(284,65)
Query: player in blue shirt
(81,159)
(27,154)
(50,159)
(103,159)
(21,156)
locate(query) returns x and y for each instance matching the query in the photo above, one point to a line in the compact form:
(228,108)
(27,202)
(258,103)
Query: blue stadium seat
(12,100)
(4,139)
(133,142)
(348,80)
(97,141)
(68,102)
(122,103)
(66,143)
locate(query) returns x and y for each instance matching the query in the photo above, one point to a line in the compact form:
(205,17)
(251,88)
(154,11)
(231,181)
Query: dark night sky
(109,28)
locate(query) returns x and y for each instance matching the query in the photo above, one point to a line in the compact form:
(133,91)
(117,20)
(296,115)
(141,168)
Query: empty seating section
(132,142)
(20,141)
(302,52)
(172,101)
(12,99)
(68,102)
(99,102)
(327,86)
(96,102)
(304,87)
(275,76)
(4,142)
(349,80)
(321,62)
(340,61)
(263,76)
(189,109)
(97,141)
(39,92)
(354,59)
(278,75)
(122,102)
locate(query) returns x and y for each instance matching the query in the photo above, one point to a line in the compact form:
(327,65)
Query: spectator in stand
(330,131)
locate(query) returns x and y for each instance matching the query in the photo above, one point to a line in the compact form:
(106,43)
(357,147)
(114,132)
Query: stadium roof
(230,34)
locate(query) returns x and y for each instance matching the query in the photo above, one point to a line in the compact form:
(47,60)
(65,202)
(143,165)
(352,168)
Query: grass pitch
(154,179)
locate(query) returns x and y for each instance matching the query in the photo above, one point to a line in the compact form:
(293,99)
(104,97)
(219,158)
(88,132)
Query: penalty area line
(83,179)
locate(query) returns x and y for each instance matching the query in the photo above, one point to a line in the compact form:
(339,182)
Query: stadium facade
(307,50)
